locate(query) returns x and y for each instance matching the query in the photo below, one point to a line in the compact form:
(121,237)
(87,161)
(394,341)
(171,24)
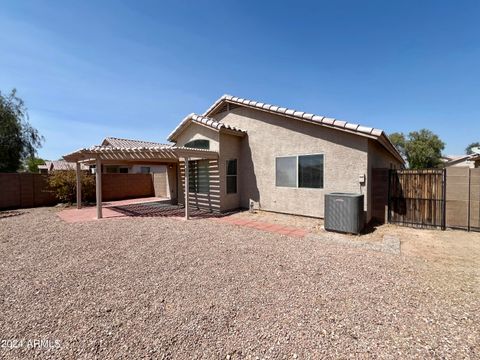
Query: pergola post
(98,191)
(186,189)
(79,186)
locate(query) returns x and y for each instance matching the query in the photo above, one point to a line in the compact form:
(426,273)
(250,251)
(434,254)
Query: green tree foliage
(18,139)
(422,149)
(64,183)
(398,139)
(31,164)
(468,150)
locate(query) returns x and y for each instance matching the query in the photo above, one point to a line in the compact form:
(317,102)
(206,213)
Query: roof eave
(375,134)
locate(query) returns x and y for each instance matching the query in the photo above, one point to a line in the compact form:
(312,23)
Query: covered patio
(104,155)
(141,207)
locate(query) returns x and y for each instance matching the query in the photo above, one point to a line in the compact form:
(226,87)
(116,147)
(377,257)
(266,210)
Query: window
(199,178)
(198,144)
(145,169)
(232,176)
(303,171)
(286,174)
(310,171)
(123,170)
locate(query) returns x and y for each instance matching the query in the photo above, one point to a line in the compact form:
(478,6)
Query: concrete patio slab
(89,213)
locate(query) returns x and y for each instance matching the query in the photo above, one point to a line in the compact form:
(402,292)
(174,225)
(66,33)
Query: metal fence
(417,198)
(435,198)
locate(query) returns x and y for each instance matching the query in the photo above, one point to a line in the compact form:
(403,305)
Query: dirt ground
(164,288)
(457,249)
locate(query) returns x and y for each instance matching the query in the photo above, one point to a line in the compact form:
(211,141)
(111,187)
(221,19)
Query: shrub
(64,184)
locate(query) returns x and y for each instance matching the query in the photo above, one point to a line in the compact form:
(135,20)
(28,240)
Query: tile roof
(203,120)
(367,131)
(128,143)
(63,165)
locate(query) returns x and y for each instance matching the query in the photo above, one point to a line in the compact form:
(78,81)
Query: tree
(422,149)
(18,139)
(398,139)
(64,184)
(468,150)
(31,164)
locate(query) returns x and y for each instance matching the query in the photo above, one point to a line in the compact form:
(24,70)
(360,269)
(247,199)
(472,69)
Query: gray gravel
(165,288)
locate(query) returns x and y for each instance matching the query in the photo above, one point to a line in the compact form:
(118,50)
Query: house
(58,165)
(242,153)
(129,167)
(470,161)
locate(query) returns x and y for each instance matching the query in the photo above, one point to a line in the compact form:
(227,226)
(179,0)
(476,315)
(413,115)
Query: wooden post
(79,187)
(98,191)
(186,189)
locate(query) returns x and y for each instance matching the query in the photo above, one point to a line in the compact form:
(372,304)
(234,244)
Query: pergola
(99,155)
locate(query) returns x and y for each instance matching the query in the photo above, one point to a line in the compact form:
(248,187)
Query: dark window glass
(145,170)
(198,144)
(123,170)
(232,167)
(199,178)
(232,176)
(310,171)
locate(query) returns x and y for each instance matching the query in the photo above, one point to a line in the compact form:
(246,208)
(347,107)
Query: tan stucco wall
(212,199)
(199,132)
(269,136)
(378,158)
(230,148)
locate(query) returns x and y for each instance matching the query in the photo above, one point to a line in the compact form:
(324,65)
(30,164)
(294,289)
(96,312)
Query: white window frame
(296,164)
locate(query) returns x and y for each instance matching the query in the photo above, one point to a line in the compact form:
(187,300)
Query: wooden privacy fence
(417,197)
(436,198)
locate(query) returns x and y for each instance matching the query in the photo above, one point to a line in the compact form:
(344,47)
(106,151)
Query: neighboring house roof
(62,165)
(450,160)
(377,134)
(128,143)
(447,158)
(205,121)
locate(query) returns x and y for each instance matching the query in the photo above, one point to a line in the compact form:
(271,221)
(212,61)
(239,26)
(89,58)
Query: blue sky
(91,69)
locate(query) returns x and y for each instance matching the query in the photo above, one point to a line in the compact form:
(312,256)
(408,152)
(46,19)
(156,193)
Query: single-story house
(242,153)
(122,167)
(58,165)
(471,161)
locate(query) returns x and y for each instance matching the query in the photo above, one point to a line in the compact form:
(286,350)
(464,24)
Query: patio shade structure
(102,154)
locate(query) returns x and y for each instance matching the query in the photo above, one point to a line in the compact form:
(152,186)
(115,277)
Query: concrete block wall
(23,190)
(126,186)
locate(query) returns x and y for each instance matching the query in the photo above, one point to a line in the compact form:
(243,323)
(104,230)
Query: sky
(134,69)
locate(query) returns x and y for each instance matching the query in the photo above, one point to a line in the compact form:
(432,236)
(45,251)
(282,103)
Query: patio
(104,155)
(142,207)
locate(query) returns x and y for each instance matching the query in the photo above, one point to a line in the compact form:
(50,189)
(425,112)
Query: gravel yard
(166,288)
